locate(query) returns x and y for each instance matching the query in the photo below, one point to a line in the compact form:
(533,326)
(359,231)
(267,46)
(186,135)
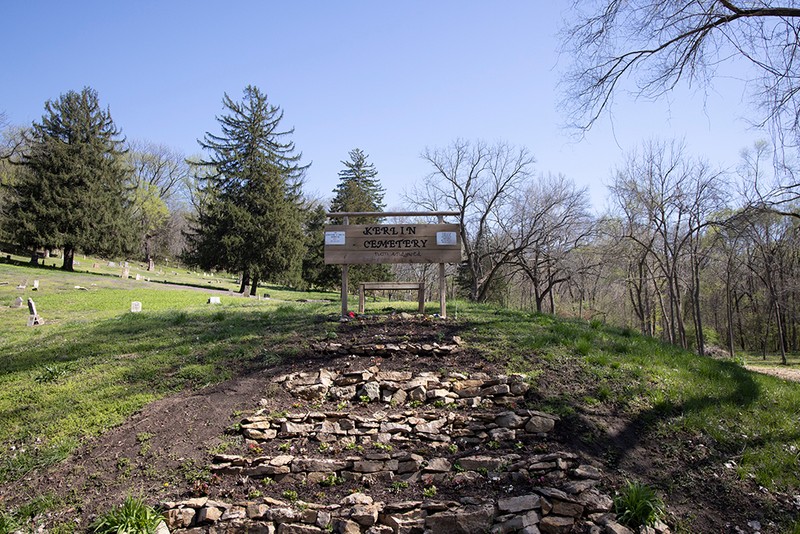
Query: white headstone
(17,303)
(36,285)
(125,273)
(112,264)
(138,277)
(136,306)
(214,300)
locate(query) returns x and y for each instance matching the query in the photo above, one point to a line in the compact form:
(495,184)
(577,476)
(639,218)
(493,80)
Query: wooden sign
(355,244)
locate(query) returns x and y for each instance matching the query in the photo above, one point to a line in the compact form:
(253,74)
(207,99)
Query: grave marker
(214,300)
(136,306)
(35,285)
(34,318)
(17,303)
(125,273)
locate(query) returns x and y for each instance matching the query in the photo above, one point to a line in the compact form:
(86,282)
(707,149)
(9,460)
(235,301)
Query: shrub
(133,517)
(637,504)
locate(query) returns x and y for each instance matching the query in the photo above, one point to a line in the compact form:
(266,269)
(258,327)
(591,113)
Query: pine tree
(359,190)
(72,194)
(250,218)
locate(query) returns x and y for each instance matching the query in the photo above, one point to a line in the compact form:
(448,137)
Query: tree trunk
(245,282)
(254,287)
(69,258)
(729,310)
(34,258)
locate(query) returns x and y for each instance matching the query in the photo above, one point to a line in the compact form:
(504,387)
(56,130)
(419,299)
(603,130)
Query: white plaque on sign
(446,238)
(334,238)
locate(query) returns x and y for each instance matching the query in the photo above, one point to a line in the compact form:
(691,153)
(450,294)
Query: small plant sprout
(398,486)
(290,495)
(429,492)
(323,447)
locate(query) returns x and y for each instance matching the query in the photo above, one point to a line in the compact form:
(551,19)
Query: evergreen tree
(72,194)
(250,215)
(359,190)
(315,272)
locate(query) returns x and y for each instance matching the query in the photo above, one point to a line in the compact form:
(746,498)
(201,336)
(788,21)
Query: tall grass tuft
(133,517)
(637,504)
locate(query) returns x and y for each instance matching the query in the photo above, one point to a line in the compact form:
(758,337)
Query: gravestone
(136,306)
(17,303)
(151,265)
(112,264)
(34,318)
(95,266)
(126,273)
(35,285)
(138,277)
(214,300)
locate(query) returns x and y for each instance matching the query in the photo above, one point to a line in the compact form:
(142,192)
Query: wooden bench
(419,287)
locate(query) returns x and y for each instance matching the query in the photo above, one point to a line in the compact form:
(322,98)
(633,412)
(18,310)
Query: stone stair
(457,442)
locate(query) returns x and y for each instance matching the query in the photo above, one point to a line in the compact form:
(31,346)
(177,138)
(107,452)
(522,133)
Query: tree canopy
(71,194)
(250,212)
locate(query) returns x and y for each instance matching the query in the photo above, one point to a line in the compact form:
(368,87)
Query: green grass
(750,418)
(93,363)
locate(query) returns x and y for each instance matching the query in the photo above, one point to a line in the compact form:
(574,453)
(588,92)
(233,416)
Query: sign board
(356,244)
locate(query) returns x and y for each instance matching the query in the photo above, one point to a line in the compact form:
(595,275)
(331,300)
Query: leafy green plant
(133,517)
(354,447)
(331,480)
(638,504)
(49,374)
(382,446)
(398,485)
(290,495)
(429,492)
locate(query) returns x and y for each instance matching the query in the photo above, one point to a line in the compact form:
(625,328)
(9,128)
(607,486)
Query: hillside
(180,402)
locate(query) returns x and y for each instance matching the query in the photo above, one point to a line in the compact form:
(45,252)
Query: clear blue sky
(389,78)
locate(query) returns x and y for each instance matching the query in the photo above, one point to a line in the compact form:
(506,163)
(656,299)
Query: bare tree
(667,200)
(550,219)
(479,181)
(659,44)
(159,178)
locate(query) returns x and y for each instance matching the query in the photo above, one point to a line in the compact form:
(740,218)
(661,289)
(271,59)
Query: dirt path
(780,372)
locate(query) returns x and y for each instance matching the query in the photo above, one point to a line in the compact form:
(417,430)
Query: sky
(390,78)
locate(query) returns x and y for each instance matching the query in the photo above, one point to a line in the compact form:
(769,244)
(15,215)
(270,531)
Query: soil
(780,372)
(163,452)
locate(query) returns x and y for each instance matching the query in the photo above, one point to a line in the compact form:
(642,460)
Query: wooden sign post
(357,244)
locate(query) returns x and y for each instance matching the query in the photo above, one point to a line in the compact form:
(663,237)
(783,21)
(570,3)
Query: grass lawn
(93,363)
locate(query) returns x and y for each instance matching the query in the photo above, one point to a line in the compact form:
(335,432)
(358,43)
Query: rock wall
(467,427)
